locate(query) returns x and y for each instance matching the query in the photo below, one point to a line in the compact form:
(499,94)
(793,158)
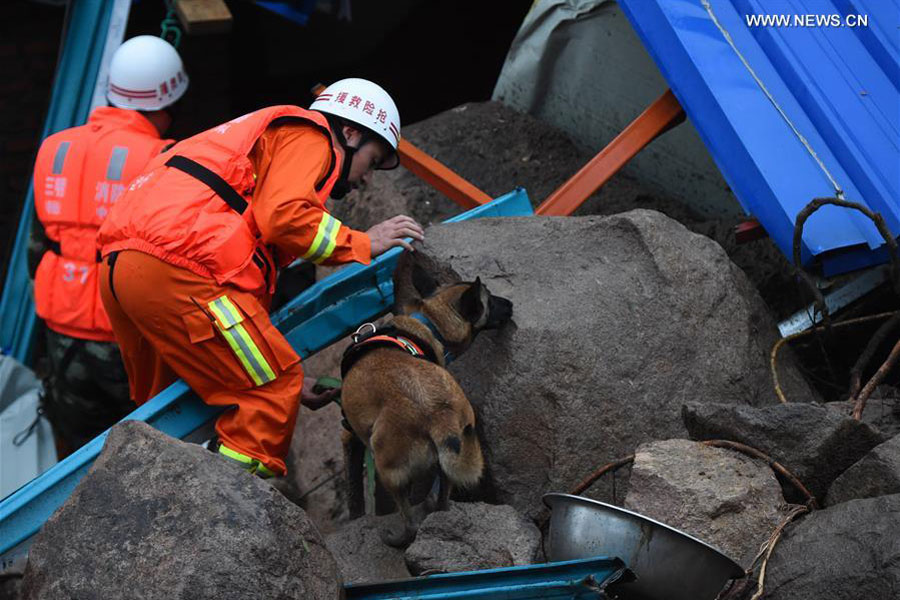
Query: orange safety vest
(190,208)
(79,174)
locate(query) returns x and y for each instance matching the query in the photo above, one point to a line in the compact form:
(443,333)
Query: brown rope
(587,482)
(773,356)
(866,357)
(769,547)
(877,378)
(875,217)
(590,479)
(819,299)
(775,465)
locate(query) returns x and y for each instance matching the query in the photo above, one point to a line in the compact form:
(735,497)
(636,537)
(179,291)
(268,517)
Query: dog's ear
(470,304)
(424,283)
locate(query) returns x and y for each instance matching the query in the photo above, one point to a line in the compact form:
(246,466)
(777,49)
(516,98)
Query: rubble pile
(632,334)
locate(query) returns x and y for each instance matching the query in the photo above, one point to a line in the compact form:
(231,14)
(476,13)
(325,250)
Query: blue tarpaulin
(794,99)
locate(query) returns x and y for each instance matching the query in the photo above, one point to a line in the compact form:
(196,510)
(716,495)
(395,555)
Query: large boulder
(361,554)
(814,442)
(876,474)
(472,536)
(719,496)
(158,517)
(846,552)
(617,322)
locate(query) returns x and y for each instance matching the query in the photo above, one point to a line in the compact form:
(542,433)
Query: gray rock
(472,536)
(815,443)
(847,552)
(361,554)
(876,474)
(882,410)
(155,517)
(618,321)
(719,496)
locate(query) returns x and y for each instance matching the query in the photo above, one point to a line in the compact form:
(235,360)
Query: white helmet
(365,103)
(146,74)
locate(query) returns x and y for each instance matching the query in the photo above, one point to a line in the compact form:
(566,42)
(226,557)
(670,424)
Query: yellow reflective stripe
(260,364)
(234,455)
(325,240)
(252,464)
(332,242)
(227,314)
(235,344)
(231,309)
(229,320)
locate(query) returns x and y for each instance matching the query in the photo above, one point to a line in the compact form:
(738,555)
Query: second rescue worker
(193,246)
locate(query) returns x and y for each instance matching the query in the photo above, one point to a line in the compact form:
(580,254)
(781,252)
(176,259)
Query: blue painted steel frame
(552,581)
(73,90)
(321,315)
(839,85)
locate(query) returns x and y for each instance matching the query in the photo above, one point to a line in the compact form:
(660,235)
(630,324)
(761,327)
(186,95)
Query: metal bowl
(669,564)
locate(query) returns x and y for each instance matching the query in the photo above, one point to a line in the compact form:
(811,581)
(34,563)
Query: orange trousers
(170,323)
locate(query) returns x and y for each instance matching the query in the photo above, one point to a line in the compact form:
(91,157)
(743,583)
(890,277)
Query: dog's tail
(459,454)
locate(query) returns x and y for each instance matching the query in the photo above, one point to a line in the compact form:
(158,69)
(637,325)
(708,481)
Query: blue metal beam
(582,579)
(315,319)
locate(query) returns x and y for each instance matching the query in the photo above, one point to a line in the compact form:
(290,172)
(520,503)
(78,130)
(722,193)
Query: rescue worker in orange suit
(79,175)
(193,247)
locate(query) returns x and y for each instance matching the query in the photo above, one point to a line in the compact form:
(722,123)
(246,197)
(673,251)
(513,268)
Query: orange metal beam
(749,231)
(435,173)
(659,117)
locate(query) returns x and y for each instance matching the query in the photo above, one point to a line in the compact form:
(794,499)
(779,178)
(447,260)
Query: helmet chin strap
(342,186)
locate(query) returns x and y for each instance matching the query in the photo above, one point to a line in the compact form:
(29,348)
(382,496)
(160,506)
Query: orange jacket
(237,201)
(79,175)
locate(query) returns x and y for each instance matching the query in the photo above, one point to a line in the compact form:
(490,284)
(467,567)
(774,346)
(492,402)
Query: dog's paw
(398,538)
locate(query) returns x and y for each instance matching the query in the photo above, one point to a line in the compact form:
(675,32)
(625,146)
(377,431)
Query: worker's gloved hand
(313,400)
(390,233)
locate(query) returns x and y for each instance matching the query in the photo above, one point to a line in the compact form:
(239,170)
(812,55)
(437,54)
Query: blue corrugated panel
(838,84)
(73,89)
(320,316)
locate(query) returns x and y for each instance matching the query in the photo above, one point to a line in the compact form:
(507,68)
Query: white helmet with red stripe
(146,73)
(365,103)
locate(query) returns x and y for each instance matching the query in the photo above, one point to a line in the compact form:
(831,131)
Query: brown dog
(403,404)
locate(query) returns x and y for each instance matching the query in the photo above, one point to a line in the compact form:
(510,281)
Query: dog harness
(386,337)
(368,337)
